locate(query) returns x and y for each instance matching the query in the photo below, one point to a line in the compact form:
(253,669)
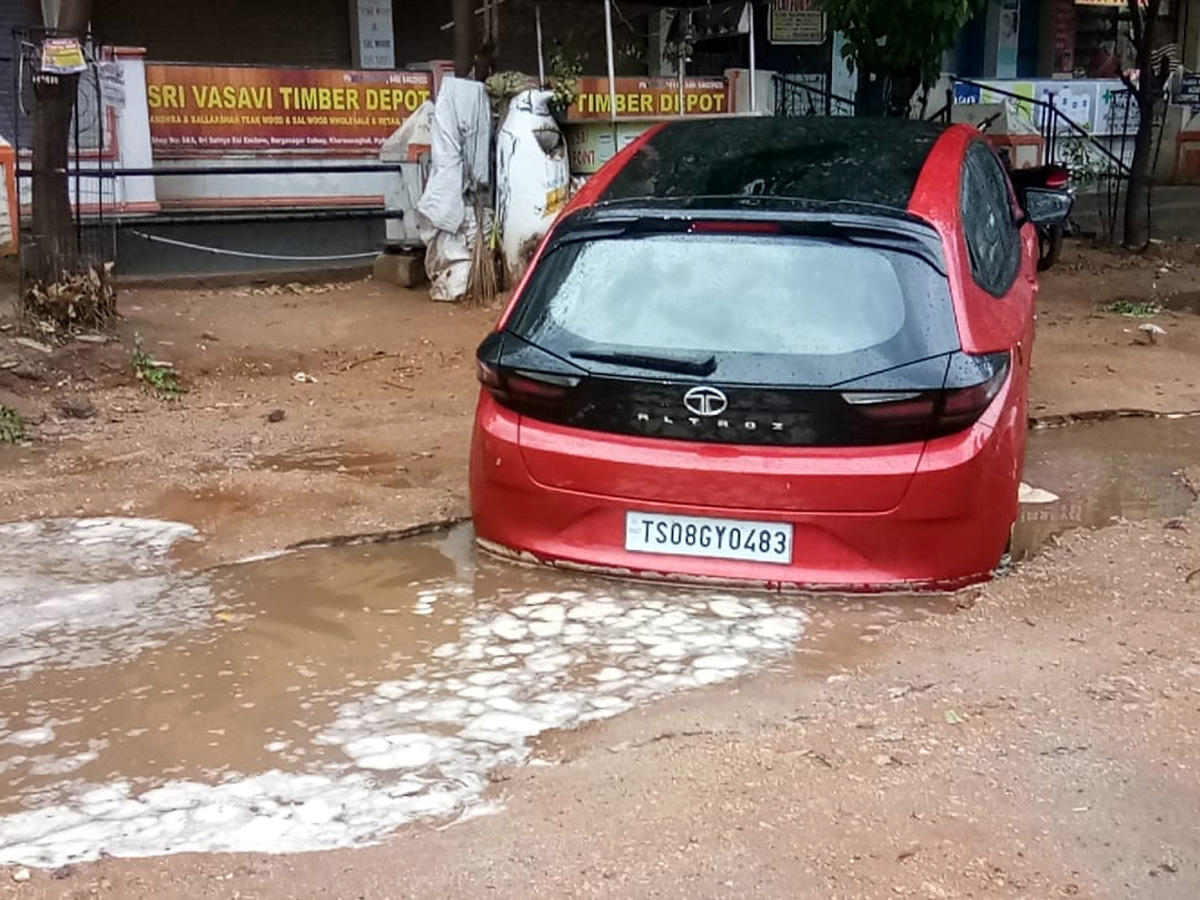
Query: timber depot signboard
(239,109)
(649,98)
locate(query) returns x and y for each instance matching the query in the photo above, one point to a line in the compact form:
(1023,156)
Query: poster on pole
(63,56)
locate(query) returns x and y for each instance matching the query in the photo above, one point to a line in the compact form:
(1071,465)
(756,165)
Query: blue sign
(967,93)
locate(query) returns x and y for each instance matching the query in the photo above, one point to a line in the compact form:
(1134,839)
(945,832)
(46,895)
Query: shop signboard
(649,98)
(592,144)
(796,22)
(204,110)
(1189,91)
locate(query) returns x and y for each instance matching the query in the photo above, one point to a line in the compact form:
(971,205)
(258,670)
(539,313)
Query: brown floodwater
(323,698)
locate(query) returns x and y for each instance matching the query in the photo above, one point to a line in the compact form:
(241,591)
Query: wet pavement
(326,697)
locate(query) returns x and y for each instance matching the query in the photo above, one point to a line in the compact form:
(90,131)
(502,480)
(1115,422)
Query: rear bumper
(949,529)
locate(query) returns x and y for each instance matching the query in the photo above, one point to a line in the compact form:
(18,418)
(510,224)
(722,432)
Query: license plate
(764,542)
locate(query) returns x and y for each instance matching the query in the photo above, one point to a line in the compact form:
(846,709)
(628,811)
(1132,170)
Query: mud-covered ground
(1033,738)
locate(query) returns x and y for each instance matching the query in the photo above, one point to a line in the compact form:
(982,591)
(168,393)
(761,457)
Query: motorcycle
(1053,177)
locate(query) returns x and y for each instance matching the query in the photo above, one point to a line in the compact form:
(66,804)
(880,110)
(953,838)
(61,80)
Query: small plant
(1134,309)
(159,377)
(565,71)
(12,426)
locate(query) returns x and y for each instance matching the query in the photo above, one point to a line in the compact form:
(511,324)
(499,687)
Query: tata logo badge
(705,401)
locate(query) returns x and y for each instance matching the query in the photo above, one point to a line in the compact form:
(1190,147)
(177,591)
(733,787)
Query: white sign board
(796,22)
(376,35)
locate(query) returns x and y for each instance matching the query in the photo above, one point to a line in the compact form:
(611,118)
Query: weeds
(159,377)
(1134,309)
(12,426)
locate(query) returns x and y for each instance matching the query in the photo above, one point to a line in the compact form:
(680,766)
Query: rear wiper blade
(700,367)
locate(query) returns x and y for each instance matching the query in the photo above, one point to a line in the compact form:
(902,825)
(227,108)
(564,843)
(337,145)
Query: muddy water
(323,698)
(317,699)
(1104,472)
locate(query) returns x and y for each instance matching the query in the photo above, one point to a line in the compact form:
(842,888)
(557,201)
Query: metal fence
(794,96)
(1100,163)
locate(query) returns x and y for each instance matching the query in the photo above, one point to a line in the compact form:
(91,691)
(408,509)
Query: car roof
(815,161)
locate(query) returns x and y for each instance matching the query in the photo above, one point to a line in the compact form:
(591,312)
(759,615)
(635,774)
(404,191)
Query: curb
(1104,415)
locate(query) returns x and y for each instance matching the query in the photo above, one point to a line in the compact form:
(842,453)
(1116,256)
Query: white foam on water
(30,737)
(1035,496)
(82,592)
(423,747)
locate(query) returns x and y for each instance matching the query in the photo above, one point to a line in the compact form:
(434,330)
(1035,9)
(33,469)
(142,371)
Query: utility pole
(464,37)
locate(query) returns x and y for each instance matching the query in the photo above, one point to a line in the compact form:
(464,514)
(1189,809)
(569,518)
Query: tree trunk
(900,98)
(1137,198)
(1145,94)
(54,247)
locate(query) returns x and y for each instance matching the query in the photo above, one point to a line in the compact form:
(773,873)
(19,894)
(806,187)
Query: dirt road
(1034,738)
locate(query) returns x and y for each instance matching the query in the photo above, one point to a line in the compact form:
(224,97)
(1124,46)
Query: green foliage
(565,71)
(159,377)
(900,38)
(12,426)
(1134,309)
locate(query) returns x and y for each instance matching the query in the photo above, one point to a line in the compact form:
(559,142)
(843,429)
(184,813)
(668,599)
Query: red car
(773,352)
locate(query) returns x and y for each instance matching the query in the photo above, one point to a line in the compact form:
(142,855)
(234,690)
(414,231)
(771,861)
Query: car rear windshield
(740,294)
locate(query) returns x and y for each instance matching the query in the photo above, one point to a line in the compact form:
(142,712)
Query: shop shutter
(12,16)
(251,32)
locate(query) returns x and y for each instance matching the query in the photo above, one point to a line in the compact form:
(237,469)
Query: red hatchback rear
(779,352)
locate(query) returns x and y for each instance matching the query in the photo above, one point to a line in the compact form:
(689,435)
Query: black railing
(1053,125)
(945,113)
(797,98)
(1095,163)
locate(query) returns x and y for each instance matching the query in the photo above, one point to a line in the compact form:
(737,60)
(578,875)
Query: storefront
(1063,38)
(235,32)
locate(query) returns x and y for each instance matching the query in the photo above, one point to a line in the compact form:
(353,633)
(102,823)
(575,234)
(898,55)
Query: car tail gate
(776,338)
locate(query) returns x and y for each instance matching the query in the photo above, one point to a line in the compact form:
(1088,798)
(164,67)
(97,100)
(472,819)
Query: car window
(993,239)
(822,310)
(730,294)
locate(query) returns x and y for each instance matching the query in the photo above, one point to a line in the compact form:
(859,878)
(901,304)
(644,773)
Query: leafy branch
(902,39)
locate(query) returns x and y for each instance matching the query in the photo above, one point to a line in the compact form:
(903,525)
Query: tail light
(962,406)
(736,228)
(1057,178)
(524,391)
(972,383)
